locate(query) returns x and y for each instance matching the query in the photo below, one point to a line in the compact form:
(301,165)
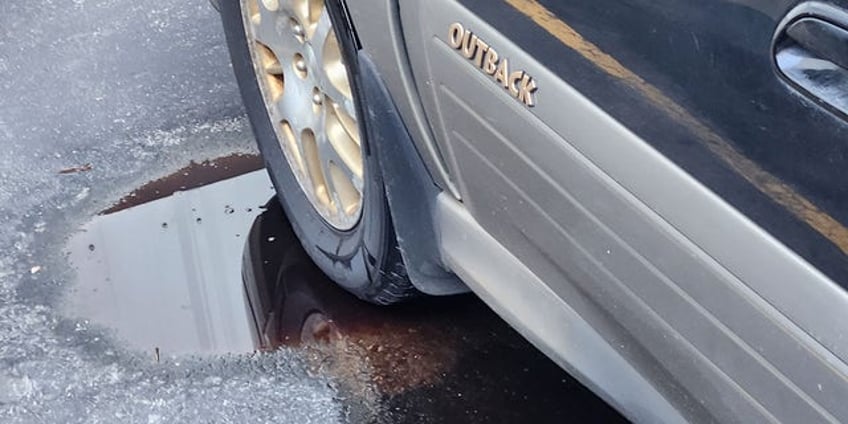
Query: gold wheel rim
(304,83)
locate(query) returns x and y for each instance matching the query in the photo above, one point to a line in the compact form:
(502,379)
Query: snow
(56,369)
(137,89)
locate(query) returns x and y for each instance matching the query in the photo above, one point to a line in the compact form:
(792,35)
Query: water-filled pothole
(200,268)
(445,359)
(165,273)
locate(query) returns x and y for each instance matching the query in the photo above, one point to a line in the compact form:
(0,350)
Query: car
(654,193)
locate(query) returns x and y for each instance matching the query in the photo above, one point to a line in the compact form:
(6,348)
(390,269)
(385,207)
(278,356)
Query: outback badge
(518,83)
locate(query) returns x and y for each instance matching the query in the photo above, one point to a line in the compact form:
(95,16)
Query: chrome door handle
(811,52)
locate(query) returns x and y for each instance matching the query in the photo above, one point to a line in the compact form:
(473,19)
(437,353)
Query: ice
(137,89)
(56,370)
(14,389)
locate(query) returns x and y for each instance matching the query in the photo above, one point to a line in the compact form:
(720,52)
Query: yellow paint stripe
(767,183)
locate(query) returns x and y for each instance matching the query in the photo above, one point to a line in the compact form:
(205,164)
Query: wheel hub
(304,83)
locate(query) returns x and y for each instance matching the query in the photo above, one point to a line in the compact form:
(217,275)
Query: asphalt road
(98,98)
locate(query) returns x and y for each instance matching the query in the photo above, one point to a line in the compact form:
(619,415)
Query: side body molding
(529,305)
(723,321)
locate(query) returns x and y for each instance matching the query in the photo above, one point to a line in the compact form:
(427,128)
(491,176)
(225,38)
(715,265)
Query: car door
(673,170)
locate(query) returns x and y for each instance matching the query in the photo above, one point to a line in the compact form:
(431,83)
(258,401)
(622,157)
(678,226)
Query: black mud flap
(409,187)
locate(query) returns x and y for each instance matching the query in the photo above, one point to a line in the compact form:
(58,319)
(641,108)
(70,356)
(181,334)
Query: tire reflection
(433,360)
(188,266)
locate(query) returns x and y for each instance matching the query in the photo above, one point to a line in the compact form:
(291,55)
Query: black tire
(364,260)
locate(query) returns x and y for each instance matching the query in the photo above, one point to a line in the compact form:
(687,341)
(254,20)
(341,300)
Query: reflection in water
(165,274)
(434,360)
(188,273)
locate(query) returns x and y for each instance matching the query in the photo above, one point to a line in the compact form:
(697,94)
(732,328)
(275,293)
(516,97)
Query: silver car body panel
(541,316)
(378,27)
(722,320)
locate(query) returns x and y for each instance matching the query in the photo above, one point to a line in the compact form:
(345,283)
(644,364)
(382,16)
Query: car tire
(364,259)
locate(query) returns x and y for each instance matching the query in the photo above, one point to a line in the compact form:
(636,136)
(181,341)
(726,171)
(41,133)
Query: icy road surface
(115,93)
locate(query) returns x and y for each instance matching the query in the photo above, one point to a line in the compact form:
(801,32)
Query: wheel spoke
(345,185)
(269,29)
(338,98)
(330,154)
(262,22)
(293,148)
(291,106)
(347,120)
(307,13)
(314,10)
(269,72)
(345,146)
(305,85)
(323,28)
(348,197)
(348,107)
(313,159)
(328,55)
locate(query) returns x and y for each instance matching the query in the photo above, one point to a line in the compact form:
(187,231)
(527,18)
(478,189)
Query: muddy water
(433,360)
(201,262)
(196,174)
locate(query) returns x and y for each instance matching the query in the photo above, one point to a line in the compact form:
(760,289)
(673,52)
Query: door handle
(811,52)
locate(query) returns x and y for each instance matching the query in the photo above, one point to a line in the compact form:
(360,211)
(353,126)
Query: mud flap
(409,187)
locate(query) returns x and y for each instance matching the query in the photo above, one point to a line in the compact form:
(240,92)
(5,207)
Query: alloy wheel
(304,83)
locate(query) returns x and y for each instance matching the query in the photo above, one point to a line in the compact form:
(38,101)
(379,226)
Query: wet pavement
(202,268)
(107,315)
(440,360)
